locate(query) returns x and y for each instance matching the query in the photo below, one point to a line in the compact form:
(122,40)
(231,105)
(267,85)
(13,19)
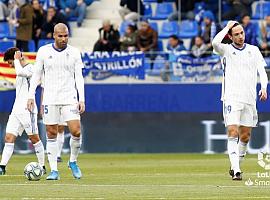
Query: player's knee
(9,138)
(51,132)
(76,133)
(34,139)
(232,131)
(245,137)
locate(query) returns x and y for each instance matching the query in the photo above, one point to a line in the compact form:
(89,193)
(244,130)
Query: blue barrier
(146,98)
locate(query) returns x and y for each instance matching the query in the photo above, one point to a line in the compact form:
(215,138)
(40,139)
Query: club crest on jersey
(50,57)
(234,53)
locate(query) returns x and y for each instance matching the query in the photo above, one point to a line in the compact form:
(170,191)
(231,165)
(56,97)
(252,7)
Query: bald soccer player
(63,95)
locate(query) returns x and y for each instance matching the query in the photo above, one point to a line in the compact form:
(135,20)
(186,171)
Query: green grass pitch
(137,176)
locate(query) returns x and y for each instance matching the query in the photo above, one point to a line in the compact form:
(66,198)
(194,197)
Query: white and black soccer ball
(33,171)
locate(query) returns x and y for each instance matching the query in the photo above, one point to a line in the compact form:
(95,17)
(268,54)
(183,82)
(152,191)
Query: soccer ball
(33,171)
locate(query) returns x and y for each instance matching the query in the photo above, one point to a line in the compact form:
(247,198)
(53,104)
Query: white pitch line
(149,197)
(121,185)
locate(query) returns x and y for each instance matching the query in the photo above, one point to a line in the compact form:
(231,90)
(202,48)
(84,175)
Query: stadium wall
(152,118)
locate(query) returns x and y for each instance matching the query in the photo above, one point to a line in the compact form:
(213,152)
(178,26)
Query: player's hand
(18,55)
(81,107)
(41,111)
(230,24)
(263,94)
(30,105)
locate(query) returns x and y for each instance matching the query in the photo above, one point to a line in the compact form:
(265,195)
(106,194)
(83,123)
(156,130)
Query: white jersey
(241,68)
(62,75)
(23,77)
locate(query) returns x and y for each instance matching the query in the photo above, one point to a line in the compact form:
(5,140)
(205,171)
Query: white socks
(52,153)
(242,150)
(233,152)
(39,149)
(75,145)
(7,153)
(60,143)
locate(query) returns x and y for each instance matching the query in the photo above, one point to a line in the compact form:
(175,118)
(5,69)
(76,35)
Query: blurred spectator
(37,21)
(129,10)
(24,25)
(199,49)
(52,18)
(75,8)
(264,40)
(108,38)
(208,28)
(3,11)
(239,8)
(128,41)
(147,38)
(12,17)
(175,45)
(250,29)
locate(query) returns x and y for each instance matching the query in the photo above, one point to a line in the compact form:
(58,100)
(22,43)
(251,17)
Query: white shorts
(241,114)
(62,122)
(57,114)
(17,123)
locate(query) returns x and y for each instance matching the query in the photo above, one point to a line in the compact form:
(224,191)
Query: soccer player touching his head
(20,118)
(241,63)
(63,83)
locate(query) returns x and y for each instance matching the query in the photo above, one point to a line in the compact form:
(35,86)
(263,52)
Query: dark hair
(230,30)
(174,37)
(9,54)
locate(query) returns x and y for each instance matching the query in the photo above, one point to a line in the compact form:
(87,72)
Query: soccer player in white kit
(62,66)
(241,63)
(20,118)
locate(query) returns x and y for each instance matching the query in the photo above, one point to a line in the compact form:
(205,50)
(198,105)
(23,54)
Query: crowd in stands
(141,35)
(35,20)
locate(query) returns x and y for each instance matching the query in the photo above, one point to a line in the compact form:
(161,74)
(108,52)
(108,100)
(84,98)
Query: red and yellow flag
(7,73)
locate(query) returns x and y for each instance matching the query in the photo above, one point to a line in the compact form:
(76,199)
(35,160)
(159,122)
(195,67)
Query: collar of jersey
(239,48)
(59,50)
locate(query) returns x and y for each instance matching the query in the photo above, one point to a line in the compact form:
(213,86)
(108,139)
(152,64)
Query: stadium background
(125,113)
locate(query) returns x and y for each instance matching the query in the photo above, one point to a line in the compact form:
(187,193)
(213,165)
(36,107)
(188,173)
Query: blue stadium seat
(31,46)
(72,19)
(163,10)
(147,11)
(262,9)
(160,45)
(150,1)
(43,42)
(154,25)
(4,30)
(168,29)
(4,45)
(188,29)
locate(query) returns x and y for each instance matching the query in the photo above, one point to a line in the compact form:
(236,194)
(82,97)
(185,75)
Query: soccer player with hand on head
(63,95)
(241,63)
(20,118)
